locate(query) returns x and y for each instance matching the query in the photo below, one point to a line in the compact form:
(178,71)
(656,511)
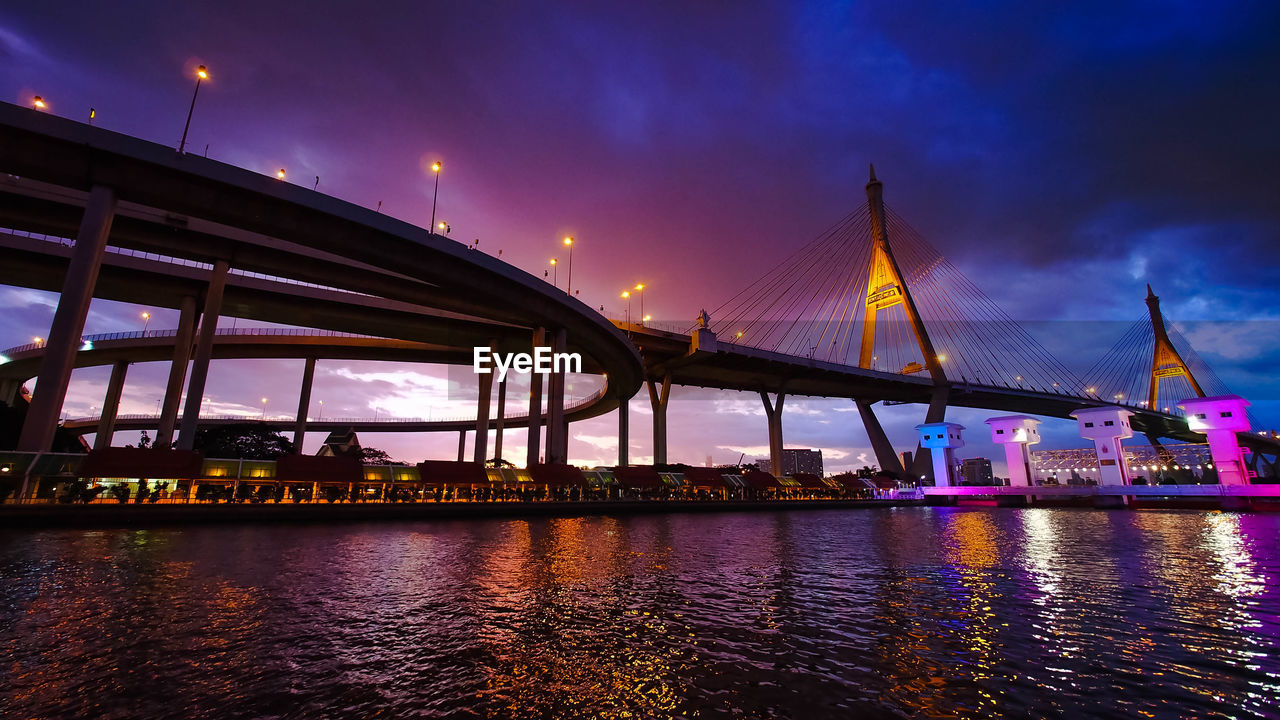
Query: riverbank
(146,515)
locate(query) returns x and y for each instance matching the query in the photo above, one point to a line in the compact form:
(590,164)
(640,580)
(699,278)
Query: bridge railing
(289,419)
(173,260)
(221,332)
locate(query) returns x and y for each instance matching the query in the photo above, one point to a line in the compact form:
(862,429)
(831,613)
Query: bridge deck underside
(739,368)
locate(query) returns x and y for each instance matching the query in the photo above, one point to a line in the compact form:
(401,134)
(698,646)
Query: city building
(976,471)
(801,460)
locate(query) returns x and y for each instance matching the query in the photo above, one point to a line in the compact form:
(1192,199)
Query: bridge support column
(885,456)
(1016,433)
(942,439)
(304,405)
(110,406)
(534,454)
(1106,427)
(624,435)
(658,397)
(557,428)
(68,322)
(462,445)
(502,419)
(936,413)
(773,411)
(10,389)
(204,352)
(484,403)
(177,372)
(1220,418)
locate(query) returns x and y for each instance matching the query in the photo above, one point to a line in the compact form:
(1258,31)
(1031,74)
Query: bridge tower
(886,288)
(1166,361)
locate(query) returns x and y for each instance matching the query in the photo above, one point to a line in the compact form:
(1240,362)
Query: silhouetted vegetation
(246,441)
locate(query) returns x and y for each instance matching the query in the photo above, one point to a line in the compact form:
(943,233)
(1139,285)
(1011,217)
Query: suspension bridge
(869,310)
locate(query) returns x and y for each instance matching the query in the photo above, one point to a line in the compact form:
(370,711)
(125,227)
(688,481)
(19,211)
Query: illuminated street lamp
(626,294)
(435,168)
(38,103)
(280,174)
(146,317)
(640,288)
(39,341)
(555,273)
(202,74)
(569,285)
(264,409)
(443,227)
(321,409)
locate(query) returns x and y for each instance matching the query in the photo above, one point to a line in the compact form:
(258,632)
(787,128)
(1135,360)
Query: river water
(924,612)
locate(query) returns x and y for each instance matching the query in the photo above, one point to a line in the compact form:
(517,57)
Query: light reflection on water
(874,613)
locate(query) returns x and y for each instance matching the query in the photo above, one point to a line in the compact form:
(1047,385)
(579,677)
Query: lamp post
(321,410)
(264,409)
(435,168)
(202,73)
(627,294)
(37,102)
(280,174)
(555,273)
(643,317)
(146,317)
(569,286)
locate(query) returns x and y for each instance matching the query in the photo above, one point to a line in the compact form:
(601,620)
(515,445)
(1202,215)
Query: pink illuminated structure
(1221,417)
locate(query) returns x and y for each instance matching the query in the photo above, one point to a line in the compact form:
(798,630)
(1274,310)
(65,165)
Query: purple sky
(1063,157)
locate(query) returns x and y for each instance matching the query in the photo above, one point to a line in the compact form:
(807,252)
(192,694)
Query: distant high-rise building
(907,458)
(976,471)
(798,460)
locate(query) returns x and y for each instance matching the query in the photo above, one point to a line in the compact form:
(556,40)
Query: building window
(1109,423)
(1200,416)
(1088,424)
(1226,414)
(999,432)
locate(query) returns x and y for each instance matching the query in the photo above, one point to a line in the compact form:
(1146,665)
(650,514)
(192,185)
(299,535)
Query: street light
(627,295)
(202,74)
(280,174)
(555,273)
(38,341)
(435,168)
(38,103)
(146,316)
(643,317)
(264,408)
(444,226)
(321,409)
(569,286)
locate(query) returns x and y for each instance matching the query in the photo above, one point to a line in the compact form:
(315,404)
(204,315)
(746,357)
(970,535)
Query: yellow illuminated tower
(886,288)
(1166,361)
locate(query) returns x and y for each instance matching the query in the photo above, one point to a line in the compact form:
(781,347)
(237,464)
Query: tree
(374,456)
(247,441)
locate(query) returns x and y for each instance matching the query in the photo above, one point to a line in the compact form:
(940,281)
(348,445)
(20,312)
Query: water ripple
(909,612)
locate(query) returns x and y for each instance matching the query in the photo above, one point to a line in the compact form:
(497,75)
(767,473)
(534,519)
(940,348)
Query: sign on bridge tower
(1166,361)
(887,288)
